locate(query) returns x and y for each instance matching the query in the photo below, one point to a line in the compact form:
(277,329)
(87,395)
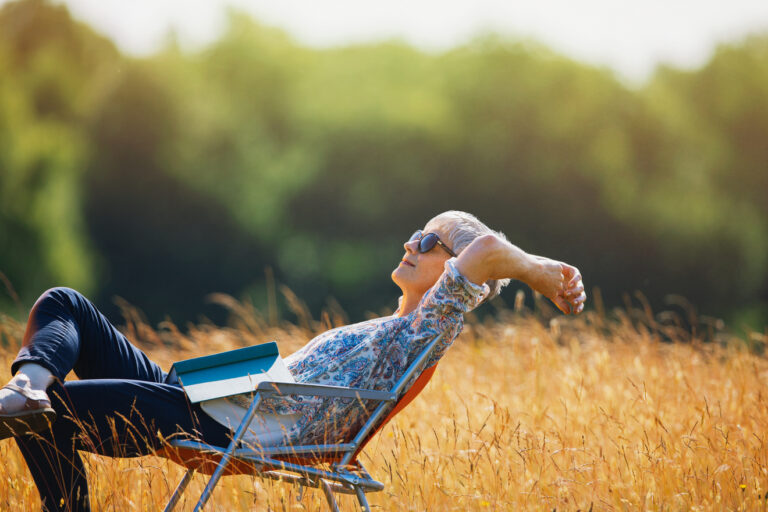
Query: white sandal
(36,415)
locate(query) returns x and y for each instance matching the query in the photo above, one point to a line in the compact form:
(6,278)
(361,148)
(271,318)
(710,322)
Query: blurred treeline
(166,178)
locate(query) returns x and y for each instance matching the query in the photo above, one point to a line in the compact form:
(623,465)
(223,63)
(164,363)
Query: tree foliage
(165,178)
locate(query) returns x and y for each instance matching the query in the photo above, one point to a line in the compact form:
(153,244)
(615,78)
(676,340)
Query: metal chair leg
(212,483)
(362,499)
(329,495)
(179,490)
(226,456)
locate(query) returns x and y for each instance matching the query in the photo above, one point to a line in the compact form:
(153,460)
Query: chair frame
(346,474)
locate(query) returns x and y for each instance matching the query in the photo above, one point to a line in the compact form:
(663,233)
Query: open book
(235,372)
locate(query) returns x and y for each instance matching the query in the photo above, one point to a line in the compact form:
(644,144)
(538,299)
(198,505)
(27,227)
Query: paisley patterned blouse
(371,355)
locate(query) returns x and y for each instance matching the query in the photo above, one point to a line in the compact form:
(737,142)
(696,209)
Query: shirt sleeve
(450,297)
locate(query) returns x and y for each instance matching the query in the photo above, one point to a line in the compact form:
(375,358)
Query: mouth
(406,263)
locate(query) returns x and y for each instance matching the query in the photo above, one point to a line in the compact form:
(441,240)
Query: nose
(411,246)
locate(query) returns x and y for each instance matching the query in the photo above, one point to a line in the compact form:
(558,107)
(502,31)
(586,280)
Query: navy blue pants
(120,407)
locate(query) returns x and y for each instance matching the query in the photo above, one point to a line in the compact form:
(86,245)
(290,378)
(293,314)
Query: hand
(571,298)
(560,283)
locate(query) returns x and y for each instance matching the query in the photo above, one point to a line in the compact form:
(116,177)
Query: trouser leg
(117,418)
(66,332)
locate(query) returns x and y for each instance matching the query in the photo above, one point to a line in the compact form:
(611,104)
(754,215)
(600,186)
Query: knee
(59,301)
(60,292)
(58,297)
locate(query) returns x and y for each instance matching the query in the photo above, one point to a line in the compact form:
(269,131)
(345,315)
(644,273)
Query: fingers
(578,302)
(568,271)
(575,291)
(562,304)
(571,275)
(571,298)
(571,304)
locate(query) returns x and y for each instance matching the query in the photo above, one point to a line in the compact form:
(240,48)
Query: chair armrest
(290,388)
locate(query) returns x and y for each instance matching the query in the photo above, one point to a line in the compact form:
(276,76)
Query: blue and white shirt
(371,355)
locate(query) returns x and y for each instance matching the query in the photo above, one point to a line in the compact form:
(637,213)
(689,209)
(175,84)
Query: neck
(408,303)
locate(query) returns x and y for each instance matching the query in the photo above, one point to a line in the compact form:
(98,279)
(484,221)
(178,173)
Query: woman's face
(417,271)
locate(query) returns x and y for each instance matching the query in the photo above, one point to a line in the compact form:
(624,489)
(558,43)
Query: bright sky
(629,36)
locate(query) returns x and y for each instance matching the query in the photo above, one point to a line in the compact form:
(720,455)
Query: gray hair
(461,228)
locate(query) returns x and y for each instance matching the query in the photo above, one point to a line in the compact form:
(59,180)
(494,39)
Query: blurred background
(163,151)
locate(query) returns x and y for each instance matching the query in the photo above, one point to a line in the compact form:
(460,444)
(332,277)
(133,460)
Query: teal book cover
(231,373)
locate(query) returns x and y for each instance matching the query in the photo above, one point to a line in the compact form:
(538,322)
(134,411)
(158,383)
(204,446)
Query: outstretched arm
(490,257)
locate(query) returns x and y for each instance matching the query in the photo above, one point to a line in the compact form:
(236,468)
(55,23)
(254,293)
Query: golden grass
(523,414)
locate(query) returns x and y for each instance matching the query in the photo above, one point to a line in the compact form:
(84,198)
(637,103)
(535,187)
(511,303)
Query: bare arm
(489,257)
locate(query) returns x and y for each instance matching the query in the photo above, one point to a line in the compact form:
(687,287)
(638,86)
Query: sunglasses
(428,241)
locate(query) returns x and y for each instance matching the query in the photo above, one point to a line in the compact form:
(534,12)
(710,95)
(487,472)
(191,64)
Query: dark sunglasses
(428,241)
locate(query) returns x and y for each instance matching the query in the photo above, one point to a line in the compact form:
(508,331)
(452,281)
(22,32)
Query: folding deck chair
(331,467)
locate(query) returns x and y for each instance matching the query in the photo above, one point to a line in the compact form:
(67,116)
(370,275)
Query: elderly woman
(124,404)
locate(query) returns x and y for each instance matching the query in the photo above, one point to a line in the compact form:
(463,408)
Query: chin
(396,276)
(401,277)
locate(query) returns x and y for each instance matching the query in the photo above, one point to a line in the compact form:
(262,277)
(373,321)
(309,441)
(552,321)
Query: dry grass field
(619,411)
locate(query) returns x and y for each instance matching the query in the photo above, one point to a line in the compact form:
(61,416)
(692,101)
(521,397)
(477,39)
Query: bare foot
(560,283)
